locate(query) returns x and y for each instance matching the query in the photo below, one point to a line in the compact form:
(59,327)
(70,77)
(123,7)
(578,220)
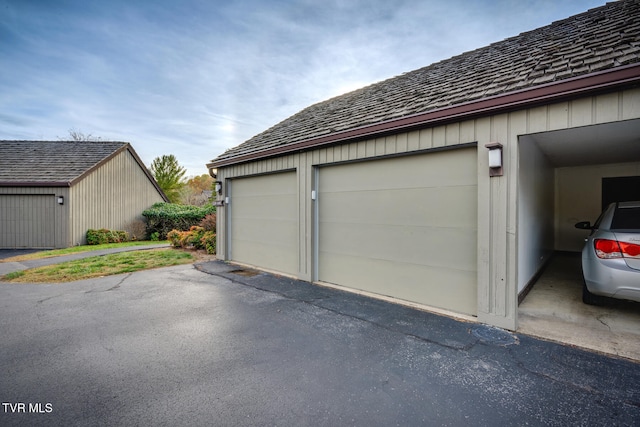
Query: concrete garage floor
(554,310)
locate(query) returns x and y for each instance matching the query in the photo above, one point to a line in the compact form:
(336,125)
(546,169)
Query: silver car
(611,256)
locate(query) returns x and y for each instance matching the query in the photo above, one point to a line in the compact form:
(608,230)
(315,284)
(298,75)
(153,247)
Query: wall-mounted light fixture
(218,187)
(61,200)
(495,159)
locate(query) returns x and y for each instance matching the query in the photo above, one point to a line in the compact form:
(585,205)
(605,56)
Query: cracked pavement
(205,345)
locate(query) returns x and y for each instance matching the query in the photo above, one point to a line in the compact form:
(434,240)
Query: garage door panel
(444,247)
(264,221)
(269,254)
(279,206)
(403,227)
(27,221)
(414,173)
(410,282)
(391,206)
(278,232)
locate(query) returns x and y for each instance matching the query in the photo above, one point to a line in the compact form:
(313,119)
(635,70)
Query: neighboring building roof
(565,58)
(57,163)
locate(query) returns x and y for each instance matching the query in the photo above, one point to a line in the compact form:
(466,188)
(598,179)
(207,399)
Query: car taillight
(630,250)
(608,249)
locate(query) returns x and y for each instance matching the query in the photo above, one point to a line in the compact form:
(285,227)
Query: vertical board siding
(42,221)
(630,104)
(497,197)
(113,196)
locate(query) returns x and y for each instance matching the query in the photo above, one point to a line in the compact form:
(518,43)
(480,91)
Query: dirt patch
(200,255)
(245,273)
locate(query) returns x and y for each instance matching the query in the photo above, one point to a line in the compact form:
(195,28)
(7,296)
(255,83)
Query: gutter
(568,88)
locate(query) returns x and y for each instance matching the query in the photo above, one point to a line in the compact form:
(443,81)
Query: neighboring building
(388,189)
(51,193)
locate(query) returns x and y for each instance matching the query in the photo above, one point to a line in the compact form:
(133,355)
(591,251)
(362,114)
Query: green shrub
(102,236)
(208,240)
(195,238)
(163,217)
(175,238)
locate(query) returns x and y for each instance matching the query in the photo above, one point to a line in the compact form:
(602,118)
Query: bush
(208,240)
(137,229)
(102,236)
(195,238)
(163,217)
(209,222)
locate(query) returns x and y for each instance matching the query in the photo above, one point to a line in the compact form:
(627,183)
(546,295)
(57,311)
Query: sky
(194,78)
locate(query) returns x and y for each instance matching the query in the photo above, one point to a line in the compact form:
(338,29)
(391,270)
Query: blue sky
(196,77)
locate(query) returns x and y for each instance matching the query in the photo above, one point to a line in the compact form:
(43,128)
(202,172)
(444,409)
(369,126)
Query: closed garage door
(27,221)
(264,222)
(402,227)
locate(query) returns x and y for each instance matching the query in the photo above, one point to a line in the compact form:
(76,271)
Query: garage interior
(560,183)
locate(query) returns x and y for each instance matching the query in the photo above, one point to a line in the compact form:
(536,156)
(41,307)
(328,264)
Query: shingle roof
(600,39)
(52,162)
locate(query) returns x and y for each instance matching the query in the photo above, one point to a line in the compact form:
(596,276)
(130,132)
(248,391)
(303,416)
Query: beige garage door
(402,227)
(27,221)
(264,222)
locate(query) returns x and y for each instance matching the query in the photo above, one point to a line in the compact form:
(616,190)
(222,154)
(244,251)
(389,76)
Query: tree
(77,135)
(169,175)
(198,190)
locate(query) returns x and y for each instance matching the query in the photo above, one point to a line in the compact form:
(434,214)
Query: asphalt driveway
(210,346)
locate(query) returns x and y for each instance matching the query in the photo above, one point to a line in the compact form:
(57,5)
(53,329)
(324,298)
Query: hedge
(102,236)
(196,237)
(163,217)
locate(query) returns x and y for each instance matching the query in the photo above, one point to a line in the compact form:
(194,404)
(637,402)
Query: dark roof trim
(578,86)
(125,146)
(35,184)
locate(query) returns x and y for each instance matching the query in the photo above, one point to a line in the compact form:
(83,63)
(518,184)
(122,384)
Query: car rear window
(626,219)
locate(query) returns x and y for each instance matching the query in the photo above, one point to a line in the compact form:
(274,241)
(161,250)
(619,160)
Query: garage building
(449,186)
(52,192)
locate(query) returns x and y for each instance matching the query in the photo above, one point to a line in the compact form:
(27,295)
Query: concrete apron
(554,310)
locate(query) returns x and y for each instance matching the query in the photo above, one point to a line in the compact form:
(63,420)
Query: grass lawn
(97,266)
(77,249)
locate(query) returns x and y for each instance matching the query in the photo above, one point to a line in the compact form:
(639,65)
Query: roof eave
(556,91)
(34,184)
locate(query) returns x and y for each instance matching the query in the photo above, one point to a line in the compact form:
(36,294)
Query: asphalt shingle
(48,162)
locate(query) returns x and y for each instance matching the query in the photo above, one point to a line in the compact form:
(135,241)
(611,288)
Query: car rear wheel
(589,298)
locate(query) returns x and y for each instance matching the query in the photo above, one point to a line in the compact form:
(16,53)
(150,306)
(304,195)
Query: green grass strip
(79,249)
(98,266)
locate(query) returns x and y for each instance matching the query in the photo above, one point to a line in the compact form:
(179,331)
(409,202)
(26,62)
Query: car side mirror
(584,225)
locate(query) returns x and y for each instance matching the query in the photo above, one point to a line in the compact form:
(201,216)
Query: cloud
(196,77)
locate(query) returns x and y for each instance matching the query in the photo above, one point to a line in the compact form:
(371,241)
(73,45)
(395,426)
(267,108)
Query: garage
(264,221)
(404,227)
(52,192)
(392,200)
(27,221)
(565,177)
